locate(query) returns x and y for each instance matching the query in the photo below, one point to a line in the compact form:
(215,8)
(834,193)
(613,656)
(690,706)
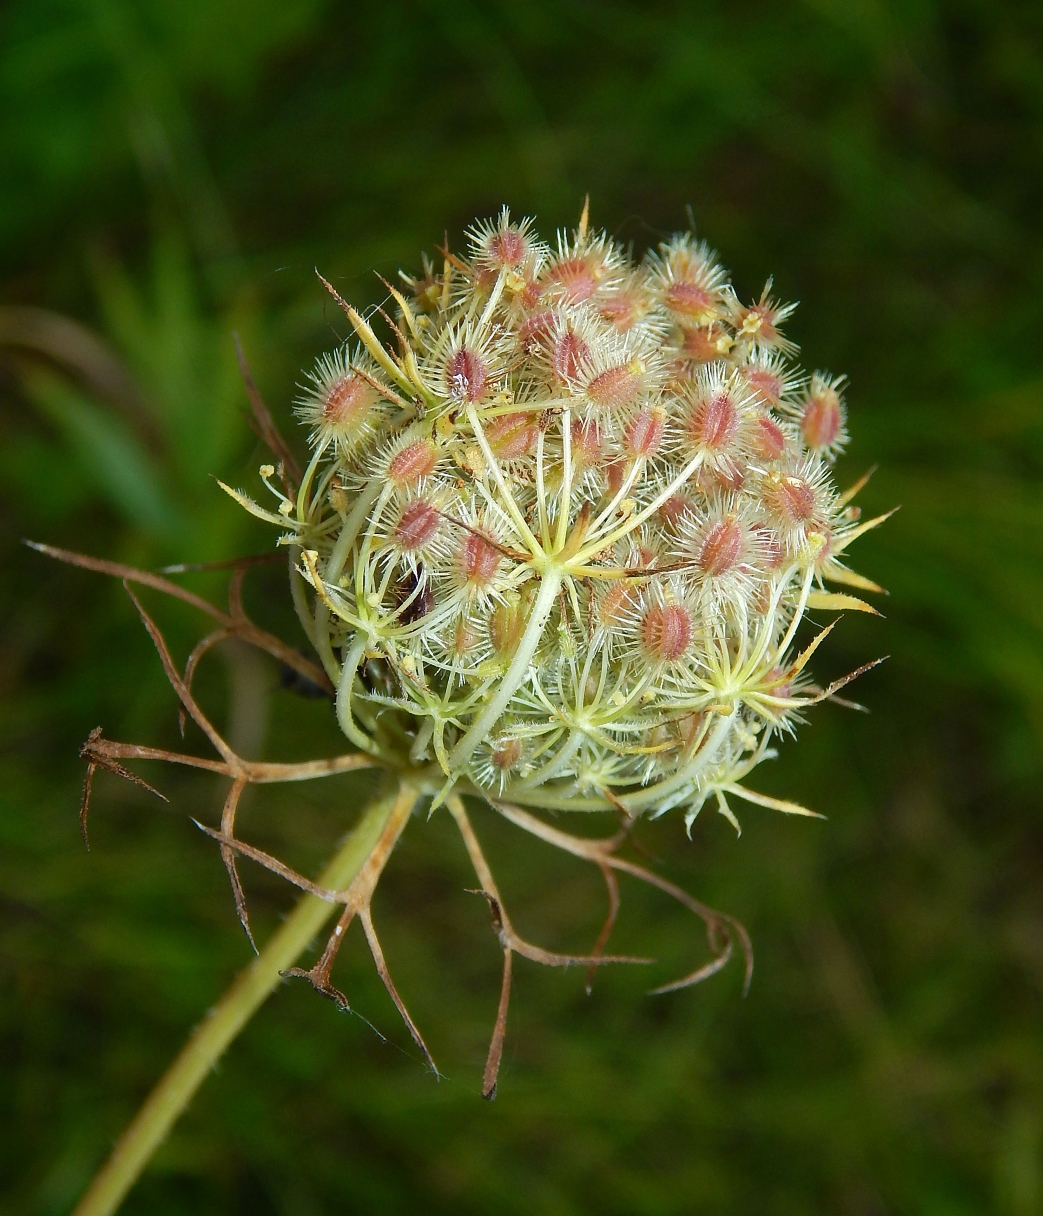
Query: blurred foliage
(173,170)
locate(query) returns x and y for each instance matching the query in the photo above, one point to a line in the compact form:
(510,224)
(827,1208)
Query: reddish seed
(465,375)
(714,421)
(700,345)
(623,309)
(507,247)
(765,384)
(721,546)
(479,561)
(530,294)
(569,355)
(688,300)
(644,433)
(796,499)
(346,398)
(769,439)
(615,603)
(586,442)
(820,423)
(577,279)
(416,525)
(413,462)
(728,474)
(615,387)
(673,509)
(512,435)
(615,471)
(666,631)
(535,331)
(783,689)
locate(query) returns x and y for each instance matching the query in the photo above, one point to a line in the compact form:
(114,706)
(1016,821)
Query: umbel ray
(724,933)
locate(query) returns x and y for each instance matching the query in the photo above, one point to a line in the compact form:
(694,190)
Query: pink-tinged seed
(759,320)
(820,423)
(412,463)
(507,247)
(615,604)
(688,300)
(512,435)
(721,547)
(586,442)
(479,560)
(615,387)
(466,374)
(417,525)
(783,689)
(765,384)
(644,433)
(576,278)
(615,471)
(714,421)
(769,439)
(666,631)
(727,474)
(464,638)
(535,331)
(699,345)
(530,294)
(346,398)
(796,499)
(672,511)
(623,310)
(569,355)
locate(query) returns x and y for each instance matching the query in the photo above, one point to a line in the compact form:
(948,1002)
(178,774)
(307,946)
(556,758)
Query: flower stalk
(235,1008)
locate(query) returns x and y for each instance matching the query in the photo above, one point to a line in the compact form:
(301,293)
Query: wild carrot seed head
(573,514)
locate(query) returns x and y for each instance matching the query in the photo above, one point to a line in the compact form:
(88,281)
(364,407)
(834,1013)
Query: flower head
(553,547)
(591,501)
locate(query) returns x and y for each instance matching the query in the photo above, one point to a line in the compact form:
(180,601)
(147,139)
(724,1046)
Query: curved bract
(556,537)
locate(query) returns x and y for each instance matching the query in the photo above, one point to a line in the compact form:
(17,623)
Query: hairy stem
(246,994)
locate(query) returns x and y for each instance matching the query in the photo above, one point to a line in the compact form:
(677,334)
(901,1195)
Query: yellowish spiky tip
(556,538)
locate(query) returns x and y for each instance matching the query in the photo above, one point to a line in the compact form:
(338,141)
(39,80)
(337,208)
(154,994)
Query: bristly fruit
(556,539)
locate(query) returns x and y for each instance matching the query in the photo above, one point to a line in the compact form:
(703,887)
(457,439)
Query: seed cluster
(556,538)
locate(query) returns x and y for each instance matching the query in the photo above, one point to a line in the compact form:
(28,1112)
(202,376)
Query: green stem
(515,675)
(247,993)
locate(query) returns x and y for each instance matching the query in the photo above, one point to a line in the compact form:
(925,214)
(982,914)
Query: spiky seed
(666,631)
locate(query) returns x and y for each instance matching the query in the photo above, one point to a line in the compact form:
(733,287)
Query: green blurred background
(170,172)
